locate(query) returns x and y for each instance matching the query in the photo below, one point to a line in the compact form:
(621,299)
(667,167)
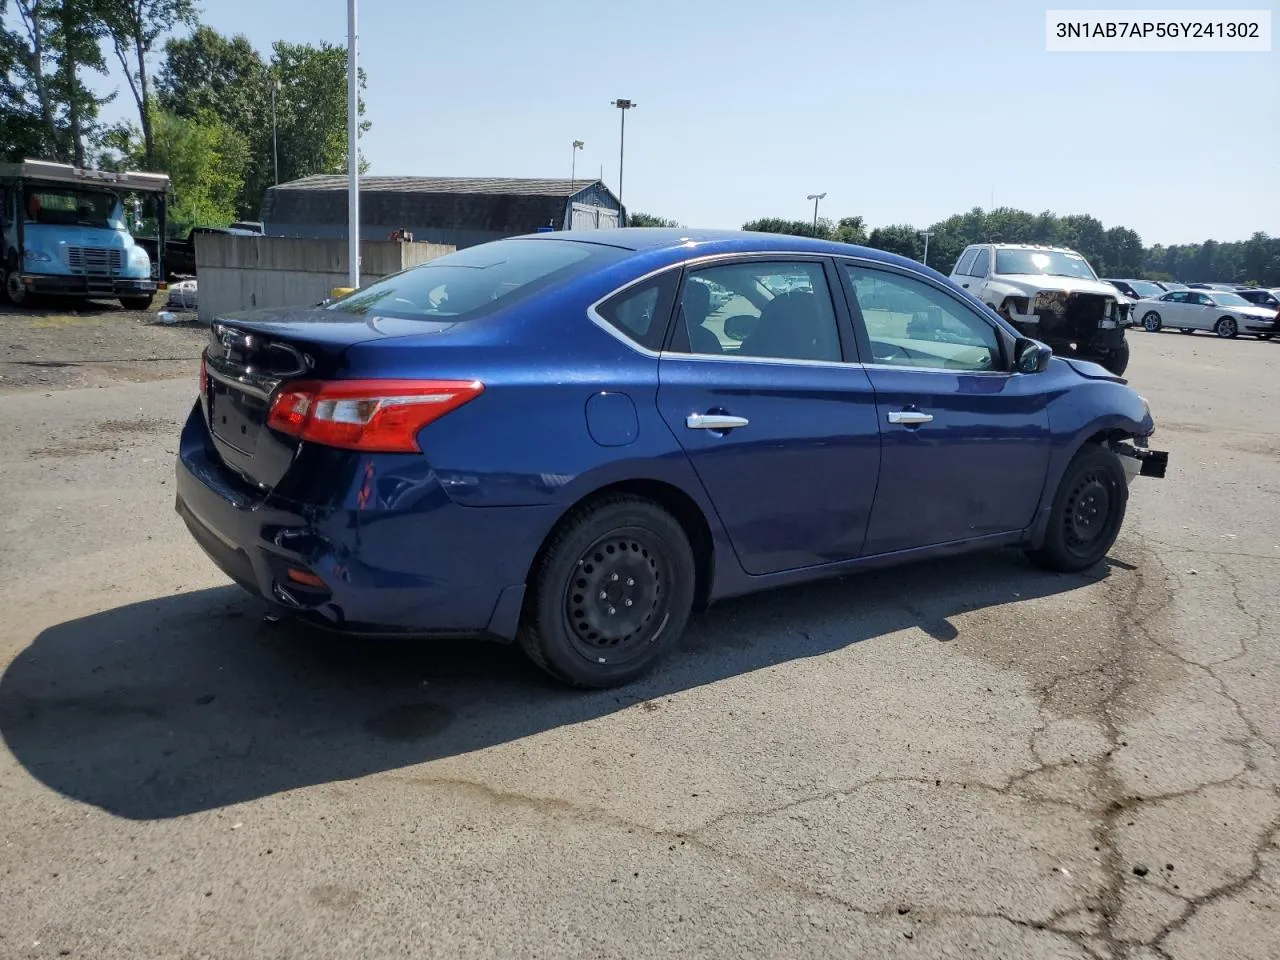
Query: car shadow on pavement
(193,702)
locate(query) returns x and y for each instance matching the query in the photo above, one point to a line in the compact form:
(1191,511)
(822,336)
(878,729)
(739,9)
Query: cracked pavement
(967,758)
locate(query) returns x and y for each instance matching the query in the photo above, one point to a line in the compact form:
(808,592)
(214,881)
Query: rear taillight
(372,415)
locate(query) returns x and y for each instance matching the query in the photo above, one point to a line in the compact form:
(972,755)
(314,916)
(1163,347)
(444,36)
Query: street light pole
(623,106)
(353,151)
(815,197)
(926,234)
(573,170)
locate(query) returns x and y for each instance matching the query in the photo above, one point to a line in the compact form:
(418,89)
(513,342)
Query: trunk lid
(250,355)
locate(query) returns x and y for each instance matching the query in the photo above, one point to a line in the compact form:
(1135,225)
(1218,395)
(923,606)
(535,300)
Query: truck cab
(63,230)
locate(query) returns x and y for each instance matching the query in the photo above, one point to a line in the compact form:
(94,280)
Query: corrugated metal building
(463,211)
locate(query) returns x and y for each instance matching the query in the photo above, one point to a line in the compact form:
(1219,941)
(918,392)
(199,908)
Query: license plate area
(236,417)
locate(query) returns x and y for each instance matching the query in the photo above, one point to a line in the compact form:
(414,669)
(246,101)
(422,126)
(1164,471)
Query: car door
(1173,309)
(976,276)
(1200,311)
(781,431)
(965,443)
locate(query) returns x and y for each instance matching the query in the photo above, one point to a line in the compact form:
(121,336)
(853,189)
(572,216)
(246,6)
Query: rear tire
(1088,511)
(137,303)
(610,593)
(1151,322)
(1226,328)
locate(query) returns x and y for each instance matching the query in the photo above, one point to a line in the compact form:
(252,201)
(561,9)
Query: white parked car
(1052,295)
(1226,314)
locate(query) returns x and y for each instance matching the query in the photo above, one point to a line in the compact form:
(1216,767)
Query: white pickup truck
(1052,295)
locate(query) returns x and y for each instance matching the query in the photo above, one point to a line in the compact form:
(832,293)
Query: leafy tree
(850,230)
(312,108)
(205,158)
(77,30)
(795,228)
(133,27)
(34,16)
(901,239)
(223,75)
(649,220)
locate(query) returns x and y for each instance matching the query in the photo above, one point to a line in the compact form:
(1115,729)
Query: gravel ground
(93,343)
(967,759)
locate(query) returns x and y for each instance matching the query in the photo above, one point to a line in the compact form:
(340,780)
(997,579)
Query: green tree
(78,28)
(208,72)
(312,108)
(850,230)
(649,220)
(133,27)
(902,239)
(205,158)
(795,228)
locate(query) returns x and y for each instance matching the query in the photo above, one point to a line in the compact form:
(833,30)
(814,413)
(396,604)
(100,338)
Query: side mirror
(1031,356)
(739,327)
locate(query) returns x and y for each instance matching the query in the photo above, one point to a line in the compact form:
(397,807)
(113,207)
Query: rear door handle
(909,417)
(714,421)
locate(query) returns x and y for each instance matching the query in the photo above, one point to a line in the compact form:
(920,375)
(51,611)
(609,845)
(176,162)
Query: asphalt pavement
(969,758)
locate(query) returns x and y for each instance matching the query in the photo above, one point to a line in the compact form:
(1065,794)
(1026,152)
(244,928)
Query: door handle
(714,421)
(910,418)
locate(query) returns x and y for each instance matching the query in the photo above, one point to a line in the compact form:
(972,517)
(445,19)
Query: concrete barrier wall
(247,273)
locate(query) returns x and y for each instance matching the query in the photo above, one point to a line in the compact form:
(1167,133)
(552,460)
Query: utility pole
(353,151)
(815,197)
(623,106)
(926,234)
(275,142)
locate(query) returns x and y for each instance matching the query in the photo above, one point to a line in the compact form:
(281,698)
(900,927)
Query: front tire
(1226,328)
(1088,511)
(137,303)
(1152,322)
(1117,360)
(14,290)
(610,593)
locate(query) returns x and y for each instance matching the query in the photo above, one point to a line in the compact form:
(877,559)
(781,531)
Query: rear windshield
(474,281)
(1054,263)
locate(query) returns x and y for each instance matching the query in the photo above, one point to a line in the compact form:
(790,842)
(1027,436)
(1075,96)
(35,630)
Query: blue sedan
(575,440)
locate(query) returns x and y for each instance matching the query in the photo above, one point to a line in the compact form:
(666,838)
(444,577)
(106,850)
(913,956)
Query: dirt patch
(93,344)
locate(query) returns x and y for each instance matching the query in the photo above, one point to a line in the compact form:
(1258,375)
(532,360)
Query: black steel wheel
(14,290)
(1088,511)
(610,593)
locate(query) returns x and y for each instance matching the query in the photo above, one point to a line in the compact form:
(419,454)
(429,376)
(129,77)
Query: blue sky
(903,111)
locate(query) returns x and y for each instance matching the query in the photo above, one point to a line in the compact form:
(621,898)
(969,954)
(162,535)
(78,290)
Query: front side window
(966,260)
(911,323)
(1050,263)
(981,263)
(759,309)
(477,280)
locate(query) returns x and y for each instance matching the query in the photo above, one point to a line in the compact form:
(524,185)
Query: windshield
(69,207)
(461,285)
(1053,263)
(1145,288)
(1229,299)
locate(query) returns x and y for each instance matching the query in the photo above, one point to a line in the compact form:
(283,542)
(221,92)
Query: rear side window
(640,312)
(477,280)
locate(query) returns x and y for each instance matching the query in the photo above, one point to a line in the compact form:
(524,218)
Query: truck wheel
(1116,360)
(610,593)
(1088,511)
(137,303)
(14,291)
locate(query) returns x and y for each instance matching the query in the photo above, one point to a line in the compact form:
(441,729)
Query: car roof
(684,243)
(1031,246)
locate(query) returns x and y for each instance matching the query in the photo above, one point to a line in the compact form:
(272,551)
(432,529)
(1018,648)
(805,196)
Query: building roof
(490,186)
